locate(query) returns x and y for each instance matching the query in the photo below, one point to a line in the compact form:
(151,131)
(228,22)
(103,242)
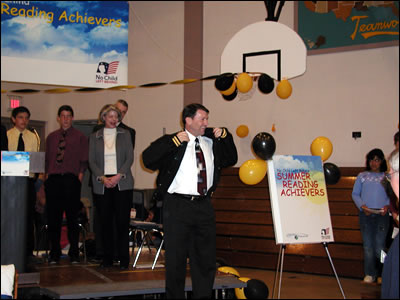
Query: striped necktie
(61,148)
(201,168)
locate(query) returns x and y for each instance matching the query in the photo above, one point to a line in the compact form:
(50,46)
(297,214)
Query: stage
(88,280)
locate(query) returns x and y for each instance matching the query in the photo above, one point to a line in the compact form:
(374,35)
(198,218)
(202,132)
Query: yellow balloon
(253,171)
(242,131)
(231,90)
(284,89)
(321,146)
(239,292)
(229,270)
(244,83)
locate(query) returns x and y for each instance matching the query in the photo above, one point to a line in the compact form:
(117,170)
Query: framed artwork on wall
(334,26)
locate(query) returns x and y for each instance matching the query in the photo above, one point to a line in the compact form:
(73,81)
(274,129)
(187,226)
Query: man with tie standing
(19,137)
(189,164)
(22,139)
(67,151)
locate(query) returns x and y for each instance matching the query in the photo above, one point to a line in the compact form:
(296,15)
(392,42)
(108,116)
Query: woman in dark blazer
(110,160)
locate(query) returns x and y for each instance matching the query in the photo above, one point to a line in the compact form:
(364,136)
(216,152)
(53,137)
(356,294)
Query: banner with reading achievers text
(69,43)
(299,200)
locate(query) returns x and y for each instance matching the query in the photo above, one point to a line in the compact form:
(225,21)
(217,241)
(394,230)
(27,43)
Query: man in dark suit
(189,218)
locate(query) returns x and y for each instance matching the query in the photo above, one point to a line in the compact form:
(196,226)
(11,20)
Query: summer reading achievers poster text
(299,200)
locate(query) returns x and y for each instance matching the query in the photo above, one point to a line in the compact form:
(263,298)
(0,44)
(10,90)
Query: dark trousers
(115,206)
(189,231)
(374,229)
(97,228)
(63,193)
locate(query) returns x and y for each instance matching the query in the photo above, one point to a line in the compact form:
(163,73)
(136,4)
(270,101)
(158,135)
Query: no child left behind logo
(325,233)
(106,72)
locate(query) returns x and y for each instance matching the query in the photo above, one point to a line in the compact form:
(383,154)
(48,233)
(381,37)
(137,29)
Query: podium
(14,213)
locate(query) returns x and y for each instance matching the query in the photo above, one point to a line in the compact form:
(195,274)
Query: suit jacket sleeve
(94,156)
(226,150)
(157,154)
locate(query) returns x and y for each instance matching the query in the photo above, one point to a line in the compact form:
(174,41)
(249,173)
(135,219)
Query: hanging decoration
(230,90)
(230,97)
(265,83)
(244,82)
(284,89)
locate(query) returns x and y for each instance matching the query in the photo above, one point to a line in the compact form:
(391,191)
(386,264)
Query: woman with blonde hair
(110,160)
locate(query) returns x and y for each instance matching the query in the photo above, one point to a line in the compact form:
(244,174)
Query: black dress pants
(63,193)
(115,205)
(189,231)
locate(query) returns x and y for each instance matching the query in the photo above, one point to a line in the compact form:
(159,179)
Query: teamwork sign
(70,43)
(331,26)
(299,200)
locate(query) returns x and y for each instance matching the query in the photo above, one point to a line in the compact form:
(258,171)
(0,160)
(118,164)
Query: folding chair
(138,205)
(42,236)
(148,228)
(145,228)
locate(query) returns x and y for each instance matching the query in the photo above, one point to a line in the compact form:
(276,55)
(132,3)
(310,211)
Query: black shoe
(54,260)
(74,260)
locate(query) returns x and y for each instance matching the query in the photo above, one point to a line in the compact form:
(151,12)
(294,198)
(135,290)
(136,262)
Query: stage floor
(88,280)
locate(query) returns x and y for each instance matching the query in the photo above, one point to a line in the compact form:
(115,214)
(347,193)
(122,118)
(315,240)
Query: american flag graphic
(325,231)
(112,67)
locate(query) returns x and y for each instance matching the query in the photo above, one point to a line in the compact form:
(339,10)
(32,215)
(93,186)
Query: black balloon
(224,81)
(256,289)
(264,145)
(231,96)
(332,173)
(265,84)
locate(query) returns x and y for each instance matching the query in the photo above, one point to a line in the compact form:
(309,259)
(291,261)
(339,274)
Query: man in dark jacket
(189,164)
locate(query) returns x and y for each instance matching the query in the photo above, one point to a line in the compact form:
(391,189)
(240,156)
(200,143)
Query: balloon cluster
(322,146)
(254,170)
(229,84)
(255,289)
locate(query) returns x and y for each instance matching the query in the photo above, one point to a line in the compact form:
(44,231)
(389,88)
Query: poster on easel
(299,200)
(15,163)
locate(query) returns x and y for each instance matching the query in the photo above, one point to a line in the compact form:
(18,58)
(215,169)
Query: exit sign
(14,102)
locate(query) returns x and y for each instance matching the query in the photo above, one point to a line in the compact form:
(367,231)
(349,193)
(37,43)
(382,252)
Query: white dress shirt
(185,181)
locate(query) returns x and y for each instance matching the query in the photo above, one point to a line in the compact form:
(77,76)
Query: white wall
(338,94)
